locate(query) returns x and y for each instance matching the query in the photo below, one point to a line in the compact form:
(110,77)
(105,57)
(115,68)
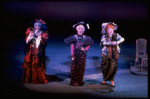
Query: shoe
(104,83)
(75,84)
(112,85)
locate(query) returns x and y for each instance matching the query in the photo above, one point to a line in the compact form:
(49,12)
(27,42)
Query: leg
(73,72)
(27,75)
(41,76)
(112,82)
(114,66)
(34,76)
(81,69)
(80,74)
(104,66)
(35,66)
(41,72)
(27,65)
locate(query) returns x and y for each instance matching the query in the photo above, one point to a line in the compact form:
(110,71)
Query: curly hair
(109,26)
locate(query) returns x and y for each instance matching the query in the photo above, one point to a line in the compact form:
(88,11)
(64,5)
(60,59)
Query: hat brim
(105,24)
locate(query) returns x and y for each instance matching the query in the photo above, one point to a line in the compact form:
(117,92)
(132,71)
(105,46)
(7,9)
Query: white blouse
(38,39)
(106,43)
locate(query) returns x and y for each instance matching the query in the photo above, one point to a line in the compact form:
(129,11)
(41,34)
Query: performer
(79,45)
(34,60)
(110,52)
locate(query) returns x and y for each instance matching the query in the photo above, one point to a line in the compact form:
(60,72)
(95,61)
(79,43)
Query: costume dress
(78,64)
(34,60)
(110,55)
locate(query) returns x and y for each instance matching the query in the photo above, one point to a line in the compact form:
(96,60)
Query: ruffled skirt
(34,68)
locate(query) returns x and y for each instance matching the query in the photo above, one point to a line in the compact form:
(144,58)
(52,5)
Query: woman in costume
(79,45)
(34,60)
(110,52)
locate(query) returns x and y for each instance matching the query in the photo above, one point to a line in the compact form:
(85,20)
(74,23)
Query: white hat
(105,24)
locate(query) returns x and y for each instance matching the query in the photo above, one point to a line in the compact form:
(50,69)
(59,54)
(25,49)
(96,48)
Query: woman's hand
(83,49)
(72,57)
(31,34)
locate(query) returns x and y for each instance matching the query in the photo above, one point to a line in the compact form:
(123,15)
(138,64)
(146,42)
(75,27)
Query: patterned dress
(78,64)
(34,60)
(110,55)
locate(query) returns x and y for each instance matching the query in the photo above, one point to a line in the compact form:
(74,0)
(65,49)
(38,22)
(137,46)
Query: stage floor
(127,85)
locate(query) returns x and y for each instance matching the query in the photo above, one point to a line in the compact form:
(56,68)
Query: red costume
(34,60)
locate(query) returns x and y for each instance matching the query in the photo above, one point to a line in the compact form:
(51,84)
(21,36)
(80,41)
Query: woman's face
(110,31)
(80,29)
(37,26)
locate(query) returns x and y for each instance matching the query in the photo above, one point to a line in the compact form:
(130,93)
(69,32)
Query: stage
(127,84)
(131,18)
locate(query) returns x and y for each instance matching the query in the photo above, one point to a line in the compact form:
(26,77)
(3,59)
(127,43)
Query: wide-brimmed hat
(86,25)
(104,25)
(43,24)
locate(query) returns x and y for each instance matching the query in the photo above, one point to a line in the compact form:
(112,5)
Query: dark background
(130,16)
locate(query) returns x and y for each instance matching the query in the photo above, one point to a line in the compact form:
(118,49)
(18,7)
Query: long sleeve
(29,38)
(72,49)
(119,39)
(28,35)
(104,41)
(44,38)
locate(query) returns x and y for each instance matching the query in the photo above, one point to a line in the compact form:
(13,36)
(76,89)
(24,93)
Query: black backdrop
(131,17)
